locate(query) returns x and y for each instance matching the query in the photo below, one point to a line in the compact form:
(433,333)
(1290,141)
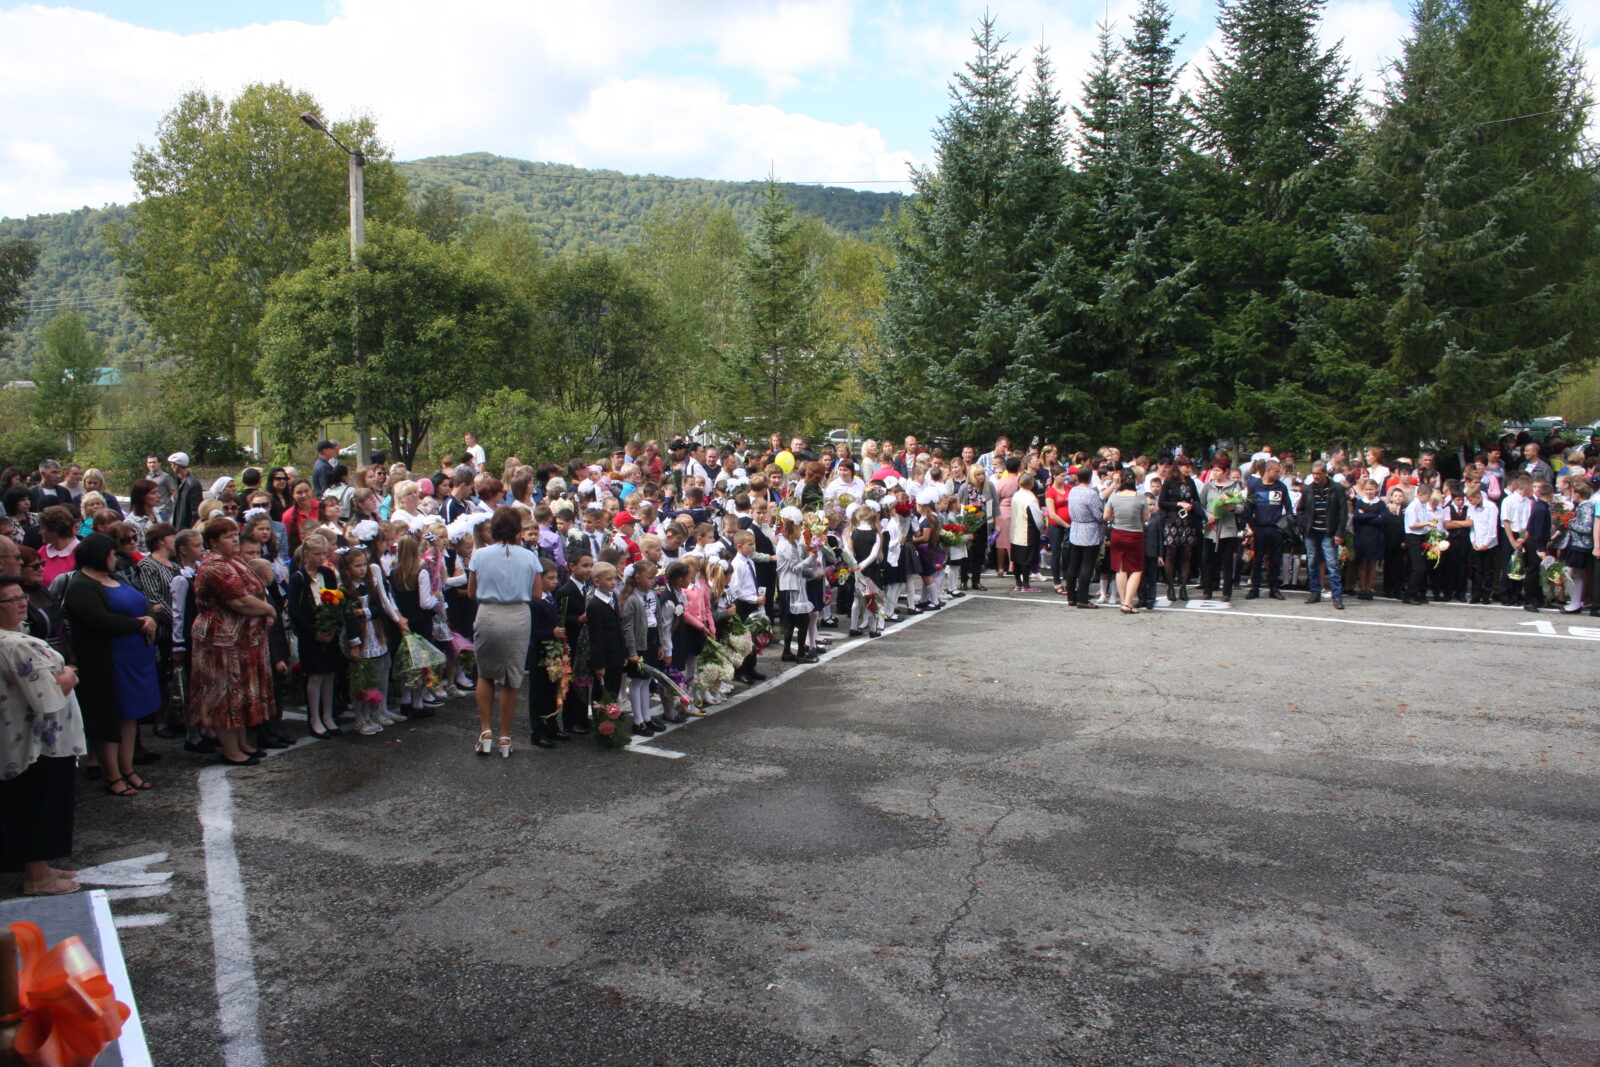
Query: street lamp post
(358,237)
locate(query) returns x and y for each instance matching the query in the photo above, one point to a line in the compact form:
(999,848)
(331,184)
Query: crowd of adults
(369,596)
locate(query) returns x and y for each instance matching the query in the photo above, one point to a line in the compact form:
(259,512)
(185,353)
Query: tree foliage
(782,362)
(18,258)
(605,331)
(430,323)
(233,196)
(1468,265)
(67,377)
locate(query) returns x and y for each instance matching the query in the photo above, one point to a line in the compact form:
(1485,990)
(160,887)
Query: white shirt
(1420,516)
(1514,511)
(480,458)
(1485,524)
(742,586)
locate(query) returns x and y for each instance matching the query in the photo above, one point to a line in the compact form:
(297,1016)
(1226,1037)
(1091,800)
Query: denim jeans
(1322,544)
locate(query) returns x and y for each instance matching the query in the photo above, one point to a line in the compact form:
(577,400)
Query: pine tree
(782,363)
(1470,287)
(1271,114)
(953,246)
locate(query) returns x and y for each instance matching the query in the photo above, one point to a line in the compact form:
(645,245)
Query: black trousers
(1269,556)
(1532,577)
(36,813)
(1396,570)
(1484,564)
(1081,560)
(575,709)
(972,566)
(1217,565)
(747,666)
(542,710)
(1417,588)
(1453,568)
(1023,557)
(1058,552)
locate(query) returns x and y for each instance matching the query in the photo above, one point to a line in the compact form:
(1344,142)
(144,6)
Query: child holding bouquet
(365,646)
(315,611)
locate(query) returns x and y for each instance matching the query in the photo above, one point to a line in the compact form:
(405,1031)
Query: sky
(824,91)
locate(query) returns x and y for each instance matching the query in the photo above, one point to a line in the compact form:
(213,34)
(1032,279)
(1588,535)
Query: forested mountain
(577,209)
(570,207)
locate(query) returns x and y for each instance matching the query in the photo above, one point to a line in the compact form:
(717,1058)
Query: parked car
(1539,429)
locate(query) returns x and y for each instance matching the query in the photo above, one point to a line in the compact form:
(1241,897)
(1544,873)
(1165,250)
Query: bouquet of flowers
(557,665)
(760,627)
(872,598)
(971,520)
(836,574)
(1436,546)
(416,662)
(845,500)
(954,535)
(1226,502)
(815,526)
(612,729)
(740,643)
(1560,516)
(1345,555)
(331,611)
(365,686)
(714,667)
(1554,575)
(1516,572)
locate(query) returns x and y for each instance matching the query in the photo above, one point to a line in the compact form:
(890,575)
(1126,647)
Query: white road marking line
(129,872)
(1542,628)
(651,750)
(125,922)
(238,996)
(792,673)
(131,1045)
(138,892)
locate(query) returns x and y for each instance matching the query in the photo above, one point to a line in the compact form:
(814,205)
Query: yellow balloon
(785,459)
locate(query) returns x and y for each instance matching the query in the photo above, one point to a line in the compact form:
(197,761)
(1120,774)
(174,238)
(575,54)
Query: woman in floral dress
(230,672)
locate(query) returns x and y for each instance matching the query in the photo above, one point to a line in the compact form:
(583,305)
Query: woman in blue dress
(113,643)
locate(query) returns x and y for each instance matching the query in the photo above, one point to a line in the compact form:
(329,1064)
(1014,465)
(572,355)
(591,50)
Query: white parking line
(233,956)
(647,748)
(1532,628)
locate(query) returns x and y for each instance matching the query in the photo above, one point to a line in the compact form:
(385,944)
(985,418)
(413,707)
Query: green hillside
(571,207)
(576,208)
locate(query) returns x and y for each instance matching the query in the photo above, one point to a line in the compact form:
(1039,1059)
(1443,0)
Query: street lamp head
(310,119)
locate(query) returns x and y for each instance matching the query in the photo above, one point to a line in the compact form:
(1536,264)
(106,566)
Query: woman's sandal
(141,784)
(111,787)
(1127,610)
(54,886)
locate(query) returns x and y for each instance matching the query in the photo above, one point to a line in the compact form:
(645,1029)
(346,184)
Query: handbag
(441,630)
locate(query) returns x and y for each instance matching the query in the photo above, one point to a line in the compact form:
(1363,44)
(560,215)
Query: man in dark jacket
(1536,546)
(1267,497)
(186,501)
(1321,524)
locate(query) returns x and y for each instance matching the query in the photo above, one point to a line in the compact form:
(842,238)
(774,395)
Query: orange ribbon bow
(71,1011)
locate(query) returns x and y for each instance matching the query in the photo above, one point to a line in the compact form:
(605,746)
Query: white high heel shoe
(485,743)
(505,747)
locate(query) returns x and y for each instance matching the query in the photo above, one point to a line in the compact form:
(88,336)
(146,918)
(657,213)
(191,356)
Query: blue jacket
(1268,503)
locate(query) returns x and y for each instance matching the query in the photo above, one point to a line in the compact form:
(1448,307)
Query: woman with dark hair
(230,666)
(142,515)
(1180,508)
(41,736)
(501,578)
(811,494)
(19,506)
(302,509)
(113,634)
(277,485)
(10,479)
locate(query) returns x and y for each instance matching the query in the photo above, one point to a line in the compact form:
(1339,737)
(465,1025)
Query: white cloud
(496,75)
(666,125)
(780,41)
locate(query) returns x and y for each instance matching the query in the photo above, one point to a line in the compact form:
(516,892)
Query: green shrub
(24,446)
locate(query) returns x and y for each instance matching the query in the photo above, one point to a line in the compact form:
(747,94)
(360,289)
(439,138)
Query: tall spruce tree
(1271,115)
(782,363)
(1471,282)
(953,246)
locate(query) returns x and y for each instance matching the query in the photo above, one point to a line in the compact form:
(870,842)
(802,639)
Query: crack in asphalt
(942,945)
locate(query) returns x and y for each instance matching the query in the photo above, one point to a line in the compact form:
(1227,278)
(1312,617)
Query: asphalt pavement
(1010,833)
